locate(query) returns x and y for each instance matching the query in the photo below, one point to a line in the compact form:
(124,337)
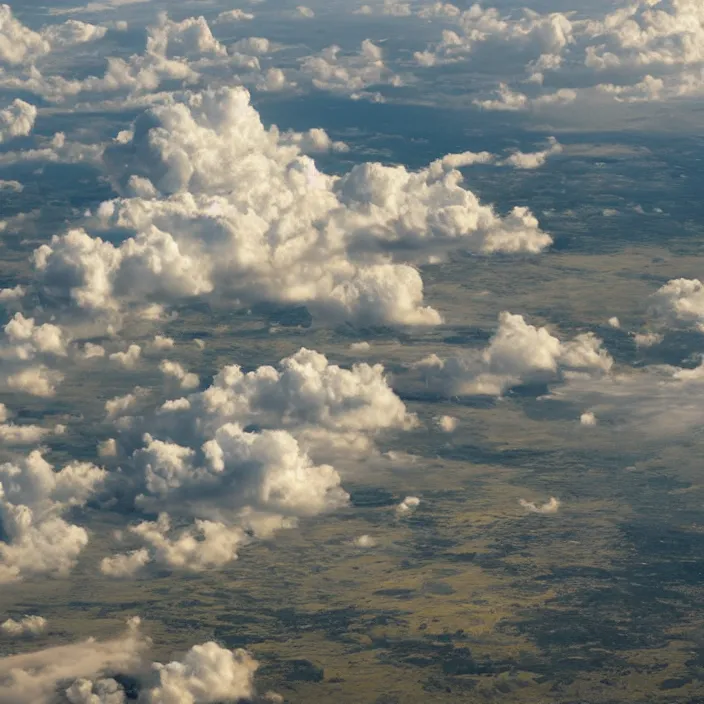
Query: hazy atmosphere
(351,353)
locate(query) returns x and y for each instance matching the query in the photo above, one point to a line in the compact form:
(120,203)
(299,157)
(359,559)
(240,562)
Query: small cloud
(11,294)
(614,322)
(551,506)
(408,505)
(360,347)
(129,358)
(107,448)
(588,418)
(26,626)
(91,351)
(364,541)
(160,342)
(447,424)
(647,339)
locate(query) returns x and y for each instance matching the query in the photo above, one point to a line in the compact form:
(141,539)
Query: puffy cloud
(518,353)
(103,691)
(19,44)
(533,160)
(392,8)
(203,545)
(351,74)
(314,141)
(107,448)
(245,466)
(12,434)
(588,418)
(33,499)
(80,674)
(448,424)
(207,674)
(643,51)
(120,406)
(126,565)
(647,339)
(552,506)
(129,358)
(26,626)
(25,350)
(364,541)
(306,390)
(680,301)
(173,370)
(216,202)
(189,37)
(542,35)
(407,506)
(92,351)
(360,347)
(35,678)
(511,101)
(71,33)
(160,342)
(17,120)
(266,471)
(236,15)
(12,294)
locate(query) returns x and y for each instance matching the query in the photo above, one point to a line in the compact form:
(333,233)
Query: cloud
(216,204)
(129,358)
(647,339)
(644,51)
(448,424)
(174,370)
(207,673)
(533,160)
(12,434)
(236,15)
(26,626)
(588,418)
(17,120)
(12,294)
(160,343)
(518,353)
(552,506)
(509,100)
(34,678)
(26,349)
(35,538)
(350,74)
(392,8)
(680,302)
(407,506)
(657,401)
(364,541)
(245,463)
(80,673)
(126,565)
(21,45)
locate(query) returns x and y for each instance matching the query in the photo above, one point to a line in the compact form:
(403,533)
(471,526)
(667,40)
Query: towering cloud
(215,202)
